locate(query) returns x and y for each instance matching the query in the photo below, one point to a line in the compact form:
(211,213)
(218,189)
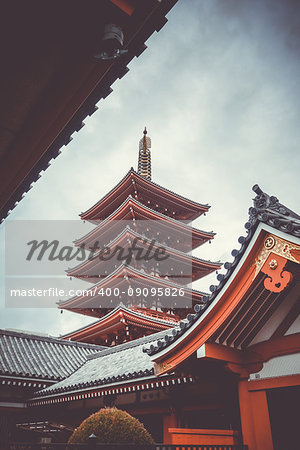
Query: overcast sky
(218,89)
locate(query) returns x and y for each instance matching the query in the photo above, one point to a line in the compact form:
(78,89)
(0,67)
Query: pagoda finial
(144,162)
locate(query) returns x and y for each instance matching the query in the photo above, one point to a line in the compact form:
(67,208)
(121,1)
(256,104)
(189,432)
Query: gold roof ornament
(144,162)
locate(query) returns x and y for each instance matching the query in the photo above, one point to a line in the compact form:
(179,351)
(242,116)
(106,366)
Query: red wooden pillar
(255,418)
(246,415)
(170,421)
(261,420)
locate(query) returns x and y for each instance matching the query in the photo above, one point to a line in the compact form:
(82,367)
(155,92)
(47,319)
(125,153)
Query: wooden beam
(273,383)
(284,345)
(237,361)
(124,5)
(258,353)
(220,352)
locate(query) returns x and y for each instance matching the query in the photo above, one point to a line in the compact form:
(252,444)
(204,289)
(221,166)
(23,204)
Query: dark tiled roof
(47,358)
(266,209)
(113,365)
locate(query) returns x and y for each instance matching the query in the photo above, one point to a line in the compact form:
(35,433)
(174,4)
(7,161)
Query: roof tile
(32,356)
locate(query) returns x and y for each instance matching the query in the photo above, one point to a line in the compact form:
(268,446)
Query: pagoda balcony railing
(157,314)
(95,446)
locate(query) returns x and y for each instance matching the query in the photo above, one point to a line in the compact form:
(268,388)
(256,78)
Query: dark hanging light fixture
(111,43)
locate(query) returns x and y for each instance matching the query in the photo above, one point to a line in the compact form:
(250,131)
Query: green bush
(112,425)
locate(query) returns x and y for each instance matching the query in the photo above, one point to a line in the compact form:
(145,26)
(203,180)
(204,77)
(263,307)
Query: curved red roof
(148,193)
(118,319)
(94,268)
(133,209)
(97,302)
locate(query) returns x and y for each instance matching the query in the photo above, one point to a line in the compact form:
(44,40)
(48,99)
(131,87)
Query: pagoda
(140,265)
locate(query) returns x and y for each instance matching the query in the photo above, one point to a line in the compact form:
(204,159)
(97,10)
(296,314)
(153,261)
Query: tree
(112,425)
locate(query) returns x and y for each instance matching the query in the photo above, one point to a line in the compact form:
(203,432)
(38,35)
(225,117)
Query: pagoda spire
(144,163)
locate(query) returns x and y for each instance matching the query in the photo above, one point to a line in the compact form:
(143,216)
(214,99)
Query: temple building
(250,328)
(212,369)
(141,265)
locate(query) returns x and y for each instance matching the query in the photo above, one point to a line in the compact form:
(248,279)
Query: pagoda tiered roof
(95,267)
(150,194)
(139,255)
(132,209)
(114,325)
(95,301)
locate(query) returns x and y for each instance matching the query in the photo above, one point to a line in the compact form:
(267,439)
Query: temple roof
(147,192)
(120,317)
(110,366)
(39,357)
(121,276)
(91,268)
(266,211)
(132,208)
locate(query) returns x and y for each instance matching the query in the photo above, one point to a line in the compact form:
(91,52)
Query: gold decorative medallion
(269,242)
(277,246)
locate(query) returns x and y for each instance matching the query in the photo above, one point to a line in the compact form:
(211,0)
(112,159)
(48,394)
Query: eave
(141,383)
(118,319)
(26,382)
(121,278)
(95,267)
(133,184)
(116,370)
(55,82)
(132,209)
